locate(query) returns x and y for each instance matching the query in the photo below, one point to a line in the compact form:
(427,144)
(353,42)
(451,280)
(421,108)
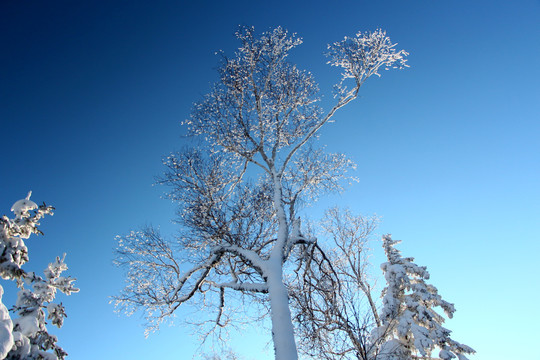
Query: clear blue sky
(92,94)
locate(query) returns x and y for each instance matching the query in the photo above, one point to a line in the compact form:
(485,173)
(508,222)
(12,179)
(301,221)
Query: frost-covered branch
(157,284)
(360,57)
(244,287)
(333,303)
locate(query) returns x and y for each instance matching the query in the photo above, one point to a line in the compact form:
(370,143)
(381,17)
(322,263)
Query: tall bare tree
(240,226)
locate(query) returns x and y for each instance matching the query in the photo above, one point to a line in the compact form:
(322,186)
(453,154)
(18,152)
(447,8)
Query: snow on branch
(157,284)
(410,326)
(362,56)
(26,336)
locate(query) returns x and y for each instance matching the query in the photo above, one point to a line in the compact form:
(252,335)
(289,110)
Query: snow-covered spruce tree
(240,190)
(26,337)
(410,327)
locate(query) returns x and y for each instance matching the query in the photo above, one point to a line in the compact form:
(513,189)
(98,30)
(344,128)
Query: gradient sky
(92,94)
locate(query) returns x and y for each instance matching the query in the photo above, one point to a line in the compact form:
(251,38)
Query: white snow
(6,327)
(21,207)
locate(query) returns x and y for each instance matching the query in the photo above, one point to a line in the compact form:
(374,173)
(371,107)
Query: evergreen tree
(410,326)
(26,337)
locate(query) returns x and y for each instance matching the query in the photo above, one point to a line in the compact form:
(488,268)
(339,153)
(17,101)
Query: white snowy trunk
(282,328)
(283,228)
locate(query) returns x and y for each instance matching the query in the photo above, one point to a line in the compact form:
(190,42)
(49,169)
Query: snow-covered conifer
(410,327)
(26,336)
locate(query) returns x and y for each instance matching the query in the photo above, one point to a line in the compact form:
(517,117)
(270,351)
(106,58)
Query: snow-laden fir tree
(240,190)
(26,336)
(410,326)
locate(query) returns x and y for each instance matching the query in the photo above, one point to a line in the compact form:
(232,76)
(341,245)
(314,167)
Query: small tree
(333,304)
(26,337)
(241,229)
(410,327)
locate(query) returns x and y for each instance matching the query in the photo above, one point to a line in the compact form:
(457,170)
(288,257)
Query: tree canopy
(240,189)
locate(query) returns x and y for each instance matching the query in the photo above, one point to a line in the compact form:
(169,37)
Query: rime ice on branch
(240,232)
(26,337)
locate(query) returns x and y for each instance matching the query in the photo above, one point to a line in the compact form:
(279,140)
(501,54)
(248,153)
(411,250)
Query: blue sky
(92,94)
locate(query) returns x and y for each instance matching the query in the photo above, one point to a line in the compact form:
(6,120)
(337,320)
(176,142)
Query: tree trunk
(282,328)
